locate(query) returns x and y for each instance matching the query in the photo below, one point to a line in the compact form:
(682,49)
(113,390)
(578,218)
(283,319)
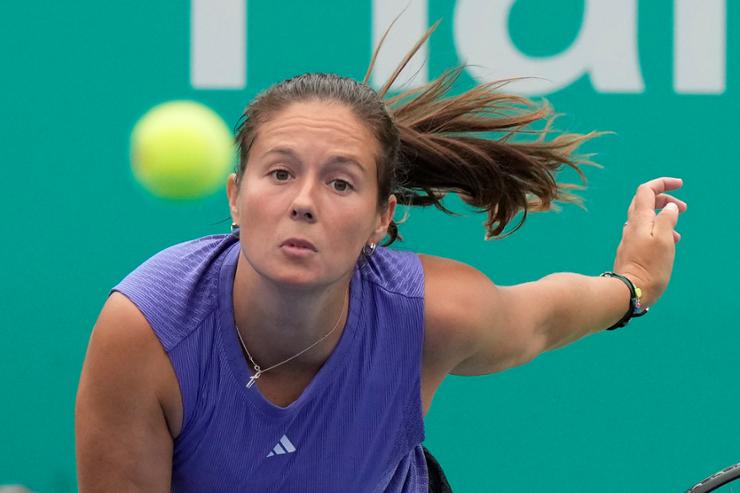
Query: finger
(640,218)
(676,237)
(666,221)
(644,198)
(646,220)
(663,199)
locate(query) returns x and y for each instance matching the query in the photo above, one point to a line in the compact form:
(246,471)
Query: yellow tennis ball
(181,150)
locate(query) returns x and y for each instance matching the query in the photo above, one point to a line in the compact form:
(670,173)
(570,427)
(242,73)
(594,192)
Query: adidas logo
(284,446)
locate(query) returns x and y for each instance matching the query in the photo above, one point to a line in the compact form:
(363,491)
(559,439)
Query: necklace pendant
(252,379)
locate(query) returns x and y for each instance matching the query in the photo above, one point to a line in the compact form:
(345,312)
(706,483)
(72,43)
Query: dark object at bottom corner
(437,479)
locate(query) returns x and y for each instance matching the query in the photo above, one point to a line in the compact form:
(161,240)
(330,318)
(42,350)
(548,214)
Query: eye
(280,174)
(342,185)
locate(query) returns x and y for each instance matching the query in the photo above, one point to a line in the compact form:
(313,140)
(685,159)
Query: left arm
(474,327)
(575,305)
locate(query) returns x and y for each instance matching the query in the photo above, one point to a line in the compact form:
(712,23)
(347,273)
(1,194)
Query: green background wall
(651,407)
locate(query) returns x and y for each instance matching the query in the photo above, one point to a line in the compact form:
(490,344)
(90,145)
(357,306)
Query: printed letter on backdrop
(605,48)
(218,44)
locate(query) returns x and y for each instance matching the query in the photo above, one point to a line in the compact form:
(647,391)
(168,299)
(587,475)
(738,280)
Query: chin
(292,275)
(288,278)
(295,274)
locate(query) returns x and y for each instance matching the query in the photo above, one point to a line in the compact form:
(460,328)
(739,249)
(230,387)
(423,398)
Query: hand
(648,247)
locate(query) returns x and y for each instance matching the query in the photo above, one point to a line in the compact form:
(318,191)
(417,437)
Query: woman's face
(311,175)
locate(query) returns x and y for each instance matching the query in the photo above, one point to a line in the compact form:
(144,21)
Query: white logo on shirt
(284,446)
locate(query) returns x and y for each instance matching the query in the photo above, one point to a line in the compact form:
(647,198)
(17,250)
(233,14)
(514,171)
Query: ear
(384,220)
(232,192)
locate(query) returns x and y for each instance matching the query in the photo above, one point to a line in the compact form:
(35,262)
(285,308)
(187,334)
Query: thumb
(666,221)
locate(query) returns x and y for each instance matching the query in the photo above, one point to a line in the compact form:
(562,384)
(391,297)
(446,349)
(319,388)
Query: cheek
(352,227)
(257,203)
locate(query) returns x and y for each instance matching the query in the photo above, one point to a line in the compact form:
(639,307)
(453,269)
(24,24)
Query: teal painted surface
(652,407)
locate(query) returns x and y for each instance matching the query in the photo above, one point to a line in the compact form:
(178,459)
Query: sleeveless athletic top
(357,427)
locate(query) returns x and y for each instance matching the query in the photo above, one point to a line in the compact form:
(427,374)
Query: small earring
(368,250)
(234,227)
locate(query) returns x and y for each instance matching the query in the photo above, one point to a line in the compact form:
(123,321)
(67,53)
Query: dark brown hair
(432,143)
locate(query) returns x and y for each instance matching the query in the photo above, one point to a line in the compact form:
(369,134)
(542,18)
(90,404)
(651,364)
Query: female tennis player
(295,354)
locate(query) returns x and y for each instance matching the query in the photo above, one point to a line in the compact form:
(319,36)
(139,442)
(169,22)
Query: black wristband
(635,308)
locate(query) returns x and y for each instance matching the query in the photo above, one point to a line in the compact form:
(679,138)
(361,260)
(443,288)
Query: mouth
(299,243)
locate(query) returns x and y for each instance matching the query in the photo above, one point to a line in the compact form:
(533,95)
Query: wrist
(639,280)
(636,307)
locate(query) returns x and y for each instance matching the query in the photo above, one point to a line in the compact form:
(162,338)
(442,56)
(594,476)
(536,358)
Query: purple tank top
(357,427)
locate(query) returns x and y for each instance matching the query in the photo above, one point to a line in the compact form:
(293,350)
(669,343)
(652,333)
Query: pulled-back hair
(432,143)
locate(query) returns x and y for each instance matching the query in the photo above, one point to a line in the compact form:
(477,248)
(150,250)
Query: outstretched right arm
(124,441)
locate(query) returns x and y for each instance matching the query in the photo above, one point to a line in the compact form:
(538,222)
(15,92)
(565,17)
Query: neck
(277,322)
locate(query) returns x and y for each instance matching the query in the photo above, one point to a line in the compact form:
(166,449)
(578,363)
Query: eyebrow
(336,159)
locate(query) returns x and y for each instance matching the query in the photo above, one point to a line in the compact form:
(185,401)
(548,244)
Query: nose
(302,208)
(302,213)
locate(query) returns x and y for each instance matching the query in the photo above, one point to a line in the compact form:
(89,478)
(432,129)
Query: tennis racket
(716,480)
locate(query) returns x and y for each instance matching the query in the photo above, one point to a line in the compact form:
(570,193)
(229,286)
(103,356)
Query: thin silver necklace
(259,371)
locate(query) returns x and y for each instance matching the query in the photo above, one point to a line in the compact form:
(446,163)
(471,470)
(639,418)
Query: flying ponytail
(443,149)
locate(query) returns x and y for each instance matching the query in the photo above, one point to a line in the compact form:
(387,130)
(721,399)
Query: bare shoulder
(121,325)
(472,326)
(453,294)
(122,339)
(126,411)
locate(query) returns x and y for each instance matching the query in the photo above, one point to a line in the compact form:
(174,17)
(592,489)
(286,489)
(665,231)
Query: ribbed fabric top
(357,427)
